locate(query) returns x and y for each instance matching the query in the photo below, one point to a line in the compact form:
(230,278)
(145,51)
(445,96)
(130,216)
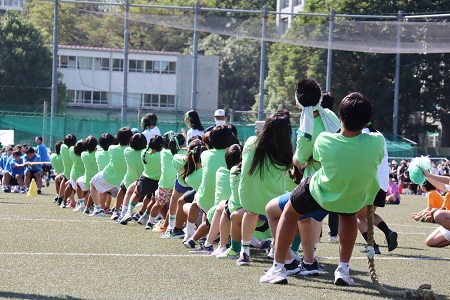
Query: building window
(285,3)
(118,64)
(67,62)
(151,100)
(84,97)
(170,68)
(85,63)
(298,2)
(99,97)
(101,63)
(136,65)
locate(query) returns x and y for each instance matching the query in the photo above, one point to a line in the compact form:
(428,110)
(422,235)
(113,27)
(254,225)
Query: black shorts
(189,196)
(33,173)
(62,177)
(227,211)
(146,186)
(46,168)
(380,199)
(13,180)
(304,203)
(123,188)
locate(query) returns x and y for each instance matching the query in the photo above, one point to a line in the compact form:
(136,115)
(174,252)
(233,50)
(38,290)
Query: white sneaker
(295,256)
(333,239)
(100,213)
(143,219)
(274,276)
(218,251)
(255,243)
(127,218)
(15,189)
(79,207)
(341,278)
(271,253)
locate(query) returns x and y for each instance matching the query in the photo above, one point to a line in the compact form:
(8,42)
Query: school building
(159,82)
(287,6)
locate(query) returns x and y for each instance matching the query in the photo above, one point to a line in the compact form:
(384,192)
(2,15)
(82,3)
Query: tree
(422,84)
(238,69)
(25,64)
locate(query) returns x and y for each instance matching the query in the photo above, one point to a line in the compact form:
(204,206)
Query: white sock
(171,221)
(207,244)
(345,267)
(151,220)
(190,228)
(277,265)
(81,200)
(289,261)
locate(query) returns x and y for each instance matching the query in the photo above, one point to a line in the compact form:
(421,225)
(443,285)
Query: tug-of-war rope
(423,292)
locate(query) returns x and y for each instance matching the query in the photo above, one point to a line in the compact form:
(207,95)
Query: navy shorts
(318,215)
(179,188)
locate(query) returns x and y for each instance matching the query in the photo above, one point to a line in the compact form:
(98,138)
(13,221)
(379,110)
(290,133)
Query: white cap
(220,113)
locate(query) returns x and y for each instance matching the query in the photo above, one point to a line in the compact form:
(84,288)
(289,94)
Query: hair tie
(368,124)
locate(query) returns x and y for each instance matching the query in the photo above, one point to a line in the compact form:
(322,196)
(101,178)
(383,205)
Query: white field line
(77,254)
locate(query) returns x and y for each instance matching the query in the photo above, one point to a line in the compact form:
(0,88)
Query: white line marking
(197,255)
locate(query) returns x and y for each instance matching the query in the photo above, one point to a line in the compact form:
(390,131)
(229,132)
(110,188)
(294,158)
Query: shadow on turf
(6,295)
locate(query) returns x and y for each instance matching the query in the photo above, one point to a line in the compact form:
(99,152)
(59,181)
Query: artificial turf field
(52,253)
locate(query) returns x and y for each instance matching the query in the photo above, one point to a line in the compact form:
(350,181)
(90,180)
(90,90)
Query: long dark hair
(273,143)
(194,120)
(195,149)
(175,143)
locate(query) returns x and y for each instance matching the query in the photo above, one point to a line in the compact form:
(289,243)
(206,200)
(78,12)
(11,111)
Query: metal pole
(397,75)
(330,51)
(123,114)
(54,96)
(44,121)
(194,58)
(262,66)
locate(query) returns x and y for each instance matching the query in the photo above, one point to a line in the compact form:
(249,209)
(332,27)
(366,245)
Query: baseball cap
(220,113)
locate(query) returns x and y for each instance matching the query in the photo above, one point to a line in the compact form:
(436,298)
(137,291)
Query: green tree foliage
(25,64)
(238,69)
(422,84)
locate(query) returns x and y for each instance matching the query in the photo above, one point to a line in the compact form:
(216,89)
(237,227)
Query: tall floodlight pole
(262,66)
(123,114)
(194,57)
(330,51)
(397,75)
(54,97)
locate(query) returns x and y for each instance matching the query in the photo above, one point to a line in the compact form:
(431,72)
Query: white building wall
(177,85)
(11,4)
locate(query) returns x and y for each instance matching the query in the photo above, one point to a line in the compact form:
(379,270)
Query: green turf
(53,253)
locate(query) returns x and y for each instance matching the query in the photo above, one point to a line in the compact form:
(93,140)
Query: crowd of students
(200,185)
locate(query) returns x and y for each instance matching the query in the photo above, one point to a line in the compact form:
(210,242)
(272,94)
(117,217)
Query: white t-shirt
(149,133)
(193,132)
(383,167)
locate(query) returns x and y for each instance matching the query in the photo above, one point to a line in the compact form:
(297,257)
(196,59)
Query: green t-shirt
(57,163)
(348,179)
(135,167)
(67,161)
(234,203)
(305,148)
(212,160)
(90,165)
(101,158)
(152,169)
(256,191)
(168,171)
(114,172)
(194,179)
(77,167)
(178,163)
(223,189)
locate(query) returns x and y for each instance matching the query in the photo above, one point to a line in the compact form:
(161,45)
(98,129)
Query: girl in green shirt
(173,143)
(135,167)
(58,167)
(76,171)
(90,169)
(148,182)
(265,160)
(69,141)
